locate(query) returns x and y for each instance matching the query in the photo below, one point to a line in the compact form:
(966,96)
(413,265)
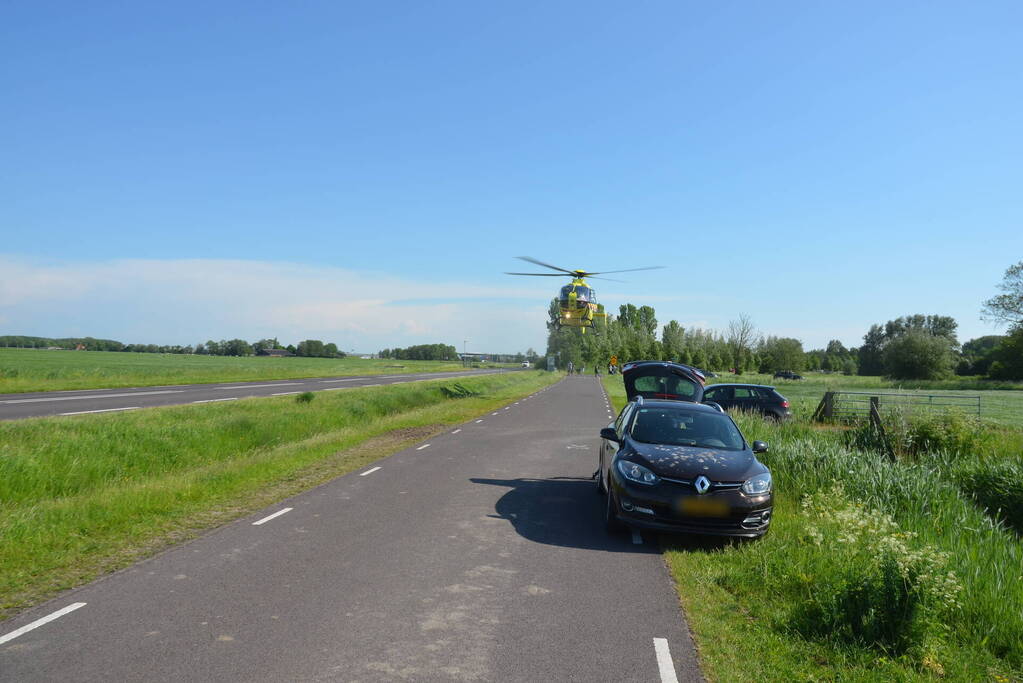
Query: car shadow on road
(563,511)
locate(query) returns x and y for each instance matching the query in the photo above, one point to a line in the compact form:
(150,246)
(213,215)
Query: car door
(609,448)
(720,395)
(746,400)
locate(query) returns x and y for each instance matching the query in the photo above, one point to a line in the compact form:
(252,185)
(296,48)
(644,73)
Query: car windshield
(684,428)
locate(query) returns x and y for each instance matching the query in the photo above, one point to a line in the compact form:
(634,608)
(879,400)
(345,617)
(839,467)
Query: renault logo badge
(702,484)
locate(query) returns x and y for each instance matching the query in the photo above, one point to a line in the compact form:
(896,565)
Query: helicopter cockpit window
(582,293)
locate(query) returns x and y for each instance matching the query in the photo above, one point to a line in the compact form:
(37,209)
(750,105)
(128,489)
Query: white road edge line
(217,400)
(456,431)
(425,445)
(369,471)
(478,421)
(257,386)
(328,381)
(105,410)
(286,393)
(269,517)
(664,663)
(39,622)
(637,538)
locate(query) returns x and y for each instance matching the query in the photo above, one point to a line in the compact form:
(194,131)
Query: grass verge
(87,495)
(23,370)
(873,570)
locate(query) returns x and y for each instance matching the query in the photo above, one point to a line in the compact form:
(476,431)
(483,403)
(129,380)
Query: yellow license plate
(702,507)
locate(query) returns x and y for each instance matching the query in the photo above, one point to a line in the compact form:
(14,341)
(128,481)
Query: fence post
(826,408)
(875,421)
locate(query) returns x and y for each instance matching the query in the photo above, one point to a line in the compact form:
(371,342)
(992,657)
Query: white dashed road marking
(369,471)
(105,410)
(217,400)
(456,431)
(478,421)
(256,386)
(276,514)
(664,663)
(39,622)
(329,381)
(79,398)
(425,445)
(286,393)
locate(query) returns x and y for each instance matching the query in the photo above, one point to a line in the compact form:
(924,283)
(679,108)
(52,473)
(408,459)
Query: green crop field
(1000,402)
(87,495)
(24,370)
(874,570)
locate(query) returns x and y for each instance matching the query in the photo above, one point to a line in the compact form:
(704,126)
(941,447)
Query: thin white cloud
(185,301)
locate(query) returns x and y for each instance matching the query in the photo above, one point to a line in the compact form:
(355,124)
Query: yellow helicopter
(578,301)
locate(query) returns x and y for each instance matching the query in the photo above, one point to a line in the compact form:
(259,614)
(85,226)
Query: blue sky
(364,173)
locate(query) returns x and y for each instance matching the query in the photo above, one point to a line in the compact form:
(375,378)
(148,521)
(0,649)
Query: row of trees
(422,352)
(225,347)
(909,347)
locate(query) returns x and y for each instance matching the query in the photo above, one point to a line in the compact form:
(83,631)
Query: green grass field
(1000,402)
(870,598)
(24,370)
(86,495)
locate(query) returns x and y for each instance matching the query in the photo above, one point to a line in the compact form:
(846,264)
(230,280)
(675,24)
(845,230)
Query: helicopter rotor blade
(589,277)
(628,270)
(545,265)
(542,274)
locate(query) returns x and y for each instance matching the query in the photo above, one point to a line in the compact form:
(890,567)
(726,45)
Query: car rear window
(683,428)
(665,386)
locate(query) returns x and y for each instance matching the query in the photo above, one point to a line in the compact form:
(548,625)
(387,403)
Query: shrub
(951,432)
(997,487)
(305,397)
(871,582)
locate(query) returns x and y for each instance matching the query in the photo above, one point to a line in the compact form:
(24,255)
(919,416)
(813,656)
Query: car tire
(612,524)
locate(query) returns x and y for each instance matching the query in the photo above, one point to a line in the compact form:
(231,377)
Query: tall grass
(83,495)
(834,591)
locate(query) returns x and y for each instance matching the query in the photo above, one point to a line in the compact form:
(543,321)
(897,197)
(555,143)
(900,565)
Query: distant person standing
(596,370)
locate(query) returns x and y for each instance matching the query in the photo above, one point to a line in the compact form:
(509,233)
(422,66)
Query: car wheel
(611,522)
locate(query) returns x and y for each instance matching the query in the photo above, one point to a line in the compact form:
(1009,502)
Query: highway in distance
(86,401)
(478,555)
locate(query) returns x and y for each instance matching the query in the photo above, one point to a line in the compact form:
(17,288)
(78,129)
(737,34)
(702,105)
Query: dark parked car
(673,464)
(787,374)
(683,467)
(753,398)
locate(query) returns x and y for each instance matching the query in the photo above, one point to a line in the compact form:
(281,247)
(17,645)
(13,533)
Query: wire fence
(856,405)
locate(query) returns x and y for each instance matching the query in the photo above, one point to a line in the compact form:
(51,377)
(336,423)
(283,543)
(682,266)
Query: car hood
(687,462)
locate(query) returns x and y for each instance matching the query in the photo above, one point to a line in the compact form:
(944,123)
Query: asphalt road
(476,556)
(39,404)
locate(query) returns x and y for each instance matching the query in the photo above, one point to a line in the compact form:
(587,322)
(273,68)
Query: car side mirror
(610,434)
(759,447)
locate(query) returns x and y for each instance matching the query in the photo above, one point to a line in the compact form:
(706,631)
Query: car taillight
(784,404)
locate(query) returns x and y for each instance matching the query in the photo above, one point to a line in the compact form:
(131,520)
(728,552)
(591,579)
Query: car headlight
(758,485)
(637,473)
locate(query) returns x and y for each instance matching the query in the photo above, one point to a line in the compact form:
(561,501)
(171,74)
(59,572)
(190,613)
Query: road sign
(614,360)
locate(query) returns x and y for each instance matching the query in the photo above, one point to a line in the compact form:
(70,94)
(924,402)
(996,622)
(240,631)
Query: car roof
(677,405)
(734,384)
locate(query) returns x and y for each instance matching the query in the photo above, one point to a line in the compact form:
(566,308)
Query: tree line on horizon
(312,348)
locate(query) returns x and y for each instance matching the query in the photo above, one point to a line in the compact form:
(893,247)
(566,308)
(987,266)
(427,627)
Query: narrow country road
(479,555)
